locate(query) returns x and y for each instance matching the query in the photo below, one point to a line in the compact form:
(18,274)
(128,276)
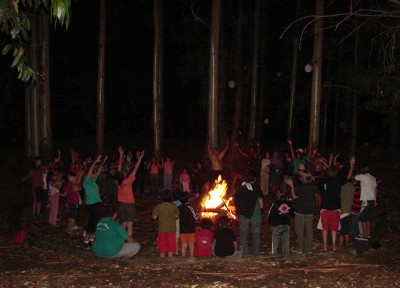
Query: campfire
(216,202)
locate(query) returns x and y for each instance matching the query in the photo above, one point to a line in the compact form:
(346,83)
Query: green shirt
(257,213)
(346,197)
(110,237)
(296,163)
(167,213)
(92,190)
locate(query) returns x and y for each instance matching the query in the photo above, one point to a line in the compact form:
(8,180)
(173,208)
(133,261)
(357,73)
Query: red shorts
(330,220)
(166,242)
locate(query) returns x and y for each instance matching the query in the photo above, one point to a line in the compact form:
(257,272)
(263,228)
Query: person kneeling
(111,236)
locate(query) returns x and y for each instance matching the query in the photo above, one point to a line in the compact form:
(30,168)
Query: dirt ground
(53,258)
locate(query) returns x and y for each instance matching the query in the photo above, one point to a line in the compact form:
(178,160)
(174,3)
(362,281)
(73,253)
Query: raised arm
(209,148)
(98,159)
(138,163)
(222,154)
(240,151)
(73,161)
(121,152)
(352,161)
(290,142)
(101,166)
(257,152)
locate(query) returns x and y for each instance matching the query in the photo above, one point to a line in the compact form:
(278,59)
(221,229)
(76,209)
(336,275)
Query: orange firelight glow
(216,199)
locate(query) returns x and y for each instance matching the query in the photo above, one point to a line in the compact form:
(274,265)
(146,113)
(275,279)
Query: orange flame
(216,199)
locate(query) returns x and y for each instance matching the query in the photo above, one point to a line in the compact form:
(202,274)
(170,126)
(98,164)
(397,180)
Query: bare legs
(325,239)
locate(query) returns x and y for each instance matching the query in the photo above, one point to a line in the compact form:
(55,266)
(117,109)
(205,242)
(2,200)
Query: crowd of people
(289,184)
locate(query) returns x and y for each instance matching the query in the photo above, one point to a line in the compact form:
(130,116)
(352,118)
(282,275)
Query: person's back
(279,218)
(112,240)
(204,239)
(225,239)
(305,201)
(110,237)
(167,213)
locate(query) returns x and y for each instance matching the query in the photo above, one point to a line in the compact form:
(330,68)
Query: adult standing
(112,241)
(368,197)
(330,188)
(249,202)
(216,158)
(126,198)
(304,202)
(93,199)
(264,173)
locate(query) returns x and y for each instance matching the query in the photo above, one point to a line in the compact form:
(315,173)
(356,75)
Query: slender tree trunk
(335,122)
(354,123)
(157,78)
(325,124)
(222,84)
(293,80)
(33,101)
(213,84)
(44,87)
(317,75)
(28,130)
(263,71)
(100,79)
(254,73)
(238,78)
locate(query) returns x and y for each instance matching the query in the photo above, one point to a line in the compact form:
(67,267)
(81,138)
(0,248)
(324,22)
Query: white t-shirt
(368,186)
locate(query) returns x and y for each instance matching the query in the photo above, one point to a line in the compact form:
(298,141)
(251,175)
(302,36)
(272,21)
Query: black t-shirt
(187,219)
(330,188)
(224,238)
(246,199)
(305,201)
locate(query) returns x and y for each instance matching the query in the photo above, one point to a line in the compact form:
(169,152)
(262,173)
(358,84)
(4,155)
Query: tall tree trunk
(354,123)
(317,74)
(238,78)
(263,71)
(325,123)
(44,87)
(254,73)
(222,84)
(31,104)
(157,78)
(213,83)
(293,80)
(29,90)
(100,79)
(335,121)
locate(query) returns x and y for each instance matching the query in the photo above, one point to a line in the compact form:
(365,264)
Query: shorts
(188,238)
(38,194)
(126,212)
(368,212)
(345,225)
(72,211)
(166,242)
(330,220)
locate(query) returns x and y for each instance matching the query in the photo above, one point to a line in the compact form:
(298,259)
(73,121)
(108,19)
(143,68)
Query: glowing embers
(216,202)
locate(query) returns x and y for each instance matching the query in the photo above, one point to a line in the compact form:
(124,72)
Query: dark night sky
(128,82)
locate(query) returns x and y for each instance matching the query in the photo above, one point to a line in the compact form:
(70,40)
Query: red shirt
(204,239)
(73,193)
(125,193)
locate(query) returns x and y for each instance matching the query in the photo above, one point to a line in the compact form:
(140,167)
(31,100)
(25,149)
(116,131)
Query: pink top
(36,175)
(168,166)
(185,177)
(125,193)
(154,169)
(73,193)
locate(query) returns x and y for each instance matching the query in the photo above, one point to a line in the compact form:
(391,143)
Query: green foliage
(15,25)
